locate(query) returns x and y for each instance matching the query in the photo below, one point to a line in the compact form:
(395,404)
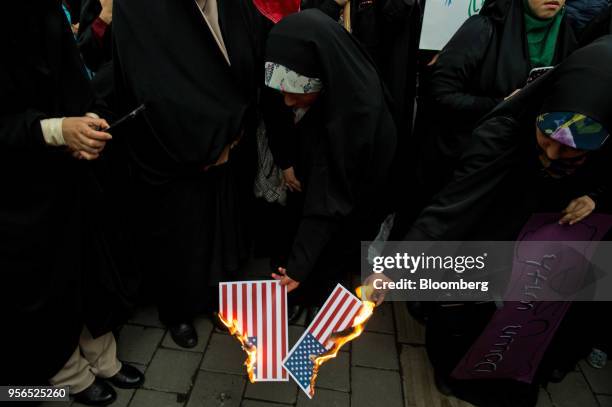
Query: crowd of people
(150,149)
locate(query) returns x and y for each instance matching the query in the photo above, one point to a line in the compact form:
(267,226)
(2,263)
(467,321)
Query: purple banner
(513,343)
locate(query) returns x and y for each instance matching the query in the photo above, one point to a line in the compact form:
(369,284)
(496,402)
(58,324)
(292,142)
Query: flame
(341,338)
(247,346)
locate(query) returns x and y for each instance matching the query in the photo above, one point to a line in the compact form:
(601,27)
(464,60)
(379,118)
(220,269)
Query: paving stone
(172,371)
(224,355)
(418,381)
(216,389)
(295,332)
(137,344)
(147,316)
(573,391)
(334,374)
(279,392)
(605,401)
(203,327)
(255,403)
(382,320)
(409,330)
(301,321)
(124,396)
(375,388)
(599,379)
(56,403)
(375,350)
(324,398)
(150,398)
(544,399)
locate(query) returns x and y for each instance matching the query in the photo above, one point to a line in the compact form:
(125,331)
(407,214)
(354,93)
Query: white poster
(443,18)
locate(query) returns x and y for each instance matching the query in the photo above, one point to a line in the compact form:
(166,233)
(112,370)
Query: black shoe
(442,385)
(294,312)
(127,378)
(311,313)
(99,393)
(184,335)
(558,375)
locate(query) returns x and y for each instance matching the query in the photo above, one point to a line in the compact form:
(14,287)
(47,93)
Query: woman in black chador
(196,65)
(343,148)
(544,150)
(488,59)
(61,293)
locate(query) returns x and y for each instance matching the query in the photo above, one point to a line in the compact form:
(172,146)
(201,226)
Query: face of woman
(545,9)
(557,151)
(299,100)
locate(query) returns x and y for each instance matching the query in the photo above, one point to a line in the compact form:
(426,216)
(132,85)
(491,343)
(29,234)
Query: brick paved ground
(387,366)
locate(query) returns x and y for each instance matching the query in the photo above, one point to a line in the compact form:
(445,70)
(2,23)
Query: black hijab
(353,144)
(166,57)
(354,101)
(504,144)
(506,65)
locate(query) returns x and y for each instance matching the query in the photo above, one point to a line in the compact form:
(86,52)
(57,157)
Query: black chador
(54,277)
(199,81)
(344,145)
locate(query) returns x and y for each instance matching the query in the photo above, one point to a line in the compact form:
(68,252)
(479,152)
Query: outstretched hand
(285,280)
(577,210)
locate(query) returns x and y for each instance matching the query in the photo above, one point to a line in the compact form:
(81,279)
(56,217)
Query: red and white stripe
(337,314)
(260,310)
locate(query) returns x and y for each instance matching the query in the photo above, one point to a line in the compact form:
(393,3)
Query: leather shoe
(127,378)
(184,335)
(311,314)
(294,312)
(99,393)
(442,385)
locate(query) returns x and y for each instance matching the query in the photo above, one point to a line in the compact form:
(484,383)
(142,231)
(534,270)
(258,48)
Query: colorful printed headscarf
(281,78)
(573,129)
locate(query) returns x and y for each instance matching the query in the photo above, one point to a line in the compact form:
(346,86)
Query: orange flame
(341,338)
(247,346)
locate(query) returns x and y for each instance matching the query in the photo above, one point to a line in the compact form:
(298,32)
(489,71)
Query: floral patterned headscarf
(281,78)
(573,130)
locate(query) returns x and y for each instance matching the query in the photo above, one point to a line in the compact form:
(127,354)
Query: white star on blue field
(299,363)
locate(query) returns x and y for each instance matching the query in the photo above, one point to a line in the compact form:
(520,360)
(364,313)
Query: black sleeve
(459,206)
(22,130)
(456,66)
(334,184)
(18,128)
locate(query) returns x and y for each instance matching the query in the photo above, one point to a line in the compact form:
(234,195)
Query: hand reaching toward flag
(285,280)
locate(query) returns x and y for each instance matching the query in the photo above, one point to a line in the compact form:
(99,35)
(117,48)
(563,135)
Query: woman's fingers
(96,135)
(581,214)
(292,285)
(571,206)
(88,156)
(577,210)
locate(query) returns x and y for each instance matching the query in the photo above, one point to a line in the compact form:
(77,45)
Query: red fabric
(275,10)
(99,29)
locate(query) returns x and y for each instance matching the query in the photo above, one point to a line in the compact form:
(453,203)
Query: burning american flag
(256,314)
(326,334)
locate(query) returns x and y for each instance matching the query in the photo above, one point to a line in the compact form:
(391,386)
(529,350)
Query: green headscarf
(541,36)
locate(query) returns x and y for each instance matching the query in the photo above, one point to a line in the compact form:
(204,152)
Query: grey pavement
(387,366)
